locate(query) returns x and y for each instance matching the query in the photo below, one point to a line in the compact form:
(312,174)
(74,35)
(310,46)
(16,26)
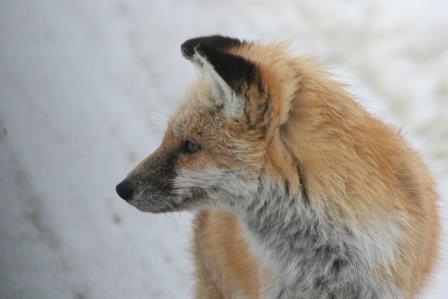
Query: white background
(85,91)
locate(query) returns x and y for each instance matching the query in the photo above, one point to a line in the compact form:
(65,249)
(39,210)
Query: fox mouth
(163,202)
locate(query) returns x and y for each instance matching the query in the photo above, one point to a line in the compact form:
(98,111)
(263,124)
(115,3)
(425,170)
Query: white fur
(275,227)
(222,93)
(224,189)
(309,254)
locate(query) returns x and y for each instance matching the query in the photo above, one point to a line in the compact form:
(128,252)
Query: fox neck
(307,254)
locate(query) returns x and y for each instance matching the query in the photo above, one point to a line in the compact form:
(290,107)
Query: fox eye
(190,146)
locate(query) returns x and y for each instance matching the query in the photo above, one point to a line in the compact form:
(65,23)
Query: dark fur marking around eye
(190,147)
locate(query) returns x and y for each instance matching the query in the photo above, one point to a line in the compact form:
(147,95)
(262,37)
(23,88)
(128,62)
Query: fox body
(300,192)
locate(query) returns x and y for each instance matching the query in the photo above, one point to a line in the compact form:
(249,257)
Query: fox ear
(229,75)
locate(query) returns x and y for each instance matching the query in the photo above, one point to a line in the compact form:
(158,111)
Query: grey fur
(310,254)
(313,256)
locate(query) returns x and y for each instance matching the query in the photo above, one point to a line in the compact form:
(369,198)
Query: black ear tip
(187,48)
(213,41)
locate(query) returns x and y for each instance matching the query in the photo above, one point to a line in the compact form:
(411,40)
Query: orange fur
(358,165)
(224,263)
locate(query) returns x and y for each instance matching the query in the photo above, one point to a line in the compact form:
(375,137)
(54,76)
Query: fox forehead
(195,114)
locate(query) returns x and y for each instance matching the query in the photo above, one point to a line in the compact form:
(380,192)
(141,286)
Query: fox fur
(299,192)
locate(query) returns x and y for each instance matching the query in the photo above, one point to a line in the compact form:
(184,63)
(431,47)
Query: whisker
(166,116)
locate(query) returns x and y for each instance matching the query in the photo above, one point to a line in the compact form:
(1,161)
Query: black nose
(125,189)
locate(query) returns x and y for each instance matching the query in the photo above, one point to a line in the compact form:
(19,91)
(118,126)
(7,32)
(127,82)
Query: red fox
(300,192)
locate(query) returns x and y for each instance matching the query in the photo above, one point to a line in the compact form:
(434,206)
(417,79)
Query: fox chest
(308,259)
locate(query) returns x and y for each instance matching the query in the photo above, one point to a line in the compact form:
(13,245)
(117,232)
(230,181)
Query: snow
(86,88)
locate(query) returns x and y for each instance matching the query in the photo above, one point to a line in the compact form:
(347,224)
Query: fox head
(224,136)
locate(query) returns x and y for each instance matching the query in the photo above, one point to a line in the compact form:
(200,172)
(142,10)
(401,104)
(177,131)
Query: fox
(298,191)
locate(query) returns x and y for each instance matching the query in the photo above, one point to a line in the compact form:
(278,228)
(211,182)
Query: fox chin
(298,191)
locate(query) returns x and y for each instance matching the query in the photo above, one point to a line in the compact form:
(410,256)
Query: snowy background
(85,90)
